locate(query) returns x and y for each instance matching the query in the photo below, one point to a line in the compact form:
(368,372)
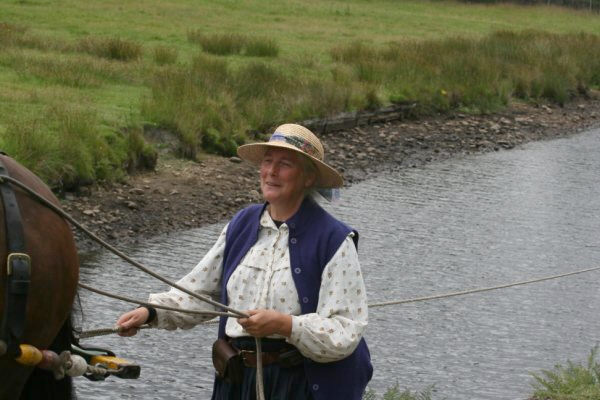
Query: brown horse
(54,276)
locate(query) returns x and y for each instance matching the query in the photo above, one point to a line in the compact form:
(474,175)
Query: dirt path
(183,194)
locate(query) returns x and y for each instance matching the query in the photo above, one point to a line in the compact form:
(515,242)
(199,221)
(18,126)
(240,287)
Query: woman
(295,269)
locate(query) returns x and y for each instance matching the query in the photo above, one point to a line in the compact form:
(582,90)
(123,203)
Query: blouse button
(305,300)
(315,387)
(293,241)
(297,270)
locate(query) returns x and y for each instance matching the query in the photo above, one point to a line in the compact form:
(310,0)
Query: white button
(297,270)
(293,240)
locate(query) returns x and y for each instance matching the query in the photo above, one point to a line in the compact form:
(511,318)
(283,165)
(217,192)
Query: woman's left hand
(263,323)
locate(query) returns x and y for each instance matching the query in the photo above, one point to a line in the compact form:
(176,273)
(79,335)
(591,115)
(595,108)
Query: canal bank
(182,194)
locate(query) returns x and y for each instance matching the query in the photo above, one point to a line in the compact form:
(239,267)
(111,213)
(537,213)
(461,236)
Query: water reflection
(464,223)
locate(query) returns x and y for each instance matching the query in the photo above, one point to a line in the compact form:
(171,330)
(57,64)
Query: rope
(143,303)
(59,211)
(486,289)
(107,331)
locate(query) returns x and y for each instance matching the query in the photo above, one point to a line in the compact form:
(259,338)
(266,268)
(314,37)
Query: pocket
(227,362)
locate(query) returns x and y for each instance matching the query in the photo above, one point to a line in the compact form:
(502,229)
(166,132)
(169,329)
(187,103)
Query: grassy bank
(79,80)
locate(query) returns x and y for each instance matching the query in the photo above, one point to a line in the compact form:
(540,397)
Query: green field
(80,79)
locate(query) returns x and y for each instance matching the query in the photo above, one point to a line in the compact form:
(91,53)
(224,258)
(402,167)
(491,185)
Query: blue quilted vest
(314,238)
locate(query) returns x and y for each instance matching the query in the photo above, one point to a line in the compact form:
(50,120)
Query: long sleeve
(204,279)
(335,329)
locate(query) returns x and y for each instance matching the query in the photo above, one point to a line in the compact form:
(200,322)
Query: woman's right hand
(129,322)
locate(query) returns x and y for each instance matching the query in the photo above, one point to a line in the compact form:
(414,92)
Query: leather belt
(249,358)
(286,358)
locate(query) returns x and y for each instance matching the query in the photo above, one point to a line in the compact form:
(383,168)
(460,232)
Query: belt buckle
(15,257)
(244,355)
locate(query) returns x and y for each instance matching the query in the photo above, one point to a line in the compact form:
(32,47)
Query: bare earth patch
(182,195)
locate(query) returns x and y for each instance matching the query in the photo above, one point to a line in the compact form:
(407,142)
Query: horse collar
(18,269)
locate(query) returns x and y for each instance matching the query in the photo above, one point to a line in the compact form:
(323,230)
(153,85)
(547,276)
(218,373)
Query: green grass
(226,68)
(569,382)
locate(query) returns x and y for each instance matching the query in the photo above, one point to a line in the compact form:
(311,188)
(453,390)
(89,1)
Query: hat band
(298,142)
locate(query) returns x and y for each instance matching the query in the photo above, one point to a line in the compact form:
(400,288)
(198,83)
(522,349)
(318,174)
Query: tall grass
(164,55)
(480,75)
(211,105)
(80,71)
(233,43)
(66,149)
(111,48)
(570,382)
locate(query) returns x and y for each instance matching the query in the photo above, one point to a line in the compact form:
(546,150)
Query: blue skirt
(280,384)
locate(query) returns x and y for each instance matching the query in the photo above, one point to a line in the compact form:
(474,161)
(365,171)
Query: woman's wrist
(151,313)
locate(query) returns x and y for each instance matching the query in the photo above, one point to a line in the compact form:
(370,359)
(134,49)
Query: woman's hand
(263,323)
(129,322)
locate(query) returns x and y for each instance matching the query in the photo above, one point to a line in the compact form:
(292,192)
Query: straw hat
(300,139)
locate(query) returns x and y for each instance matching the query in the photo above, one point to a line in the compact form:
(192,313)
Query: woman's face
(282,177)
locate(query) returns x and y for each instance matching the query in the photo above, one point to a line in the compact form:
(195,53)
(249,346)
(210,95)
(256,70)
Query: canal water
(465,223)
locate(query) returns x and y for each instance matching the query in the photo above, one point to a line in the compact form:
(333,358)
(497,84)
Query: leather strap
(18,269)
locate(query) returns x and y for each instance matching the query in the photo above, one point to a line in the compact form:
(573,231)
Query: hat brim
(327,177)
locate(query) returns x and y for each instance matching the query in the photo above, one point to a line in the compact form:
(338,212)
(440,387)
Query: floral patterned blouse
(263,279)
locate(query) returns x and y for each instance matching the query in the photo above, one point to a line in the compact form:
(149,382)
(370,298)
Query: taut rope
(107,331)
(479,290)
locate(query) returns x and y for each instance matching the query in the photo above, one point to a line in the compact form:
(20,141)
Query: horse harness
(18,269)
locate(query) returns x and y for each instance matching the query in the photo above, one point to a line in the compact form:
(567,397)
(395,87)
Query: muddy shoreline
(181,195)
